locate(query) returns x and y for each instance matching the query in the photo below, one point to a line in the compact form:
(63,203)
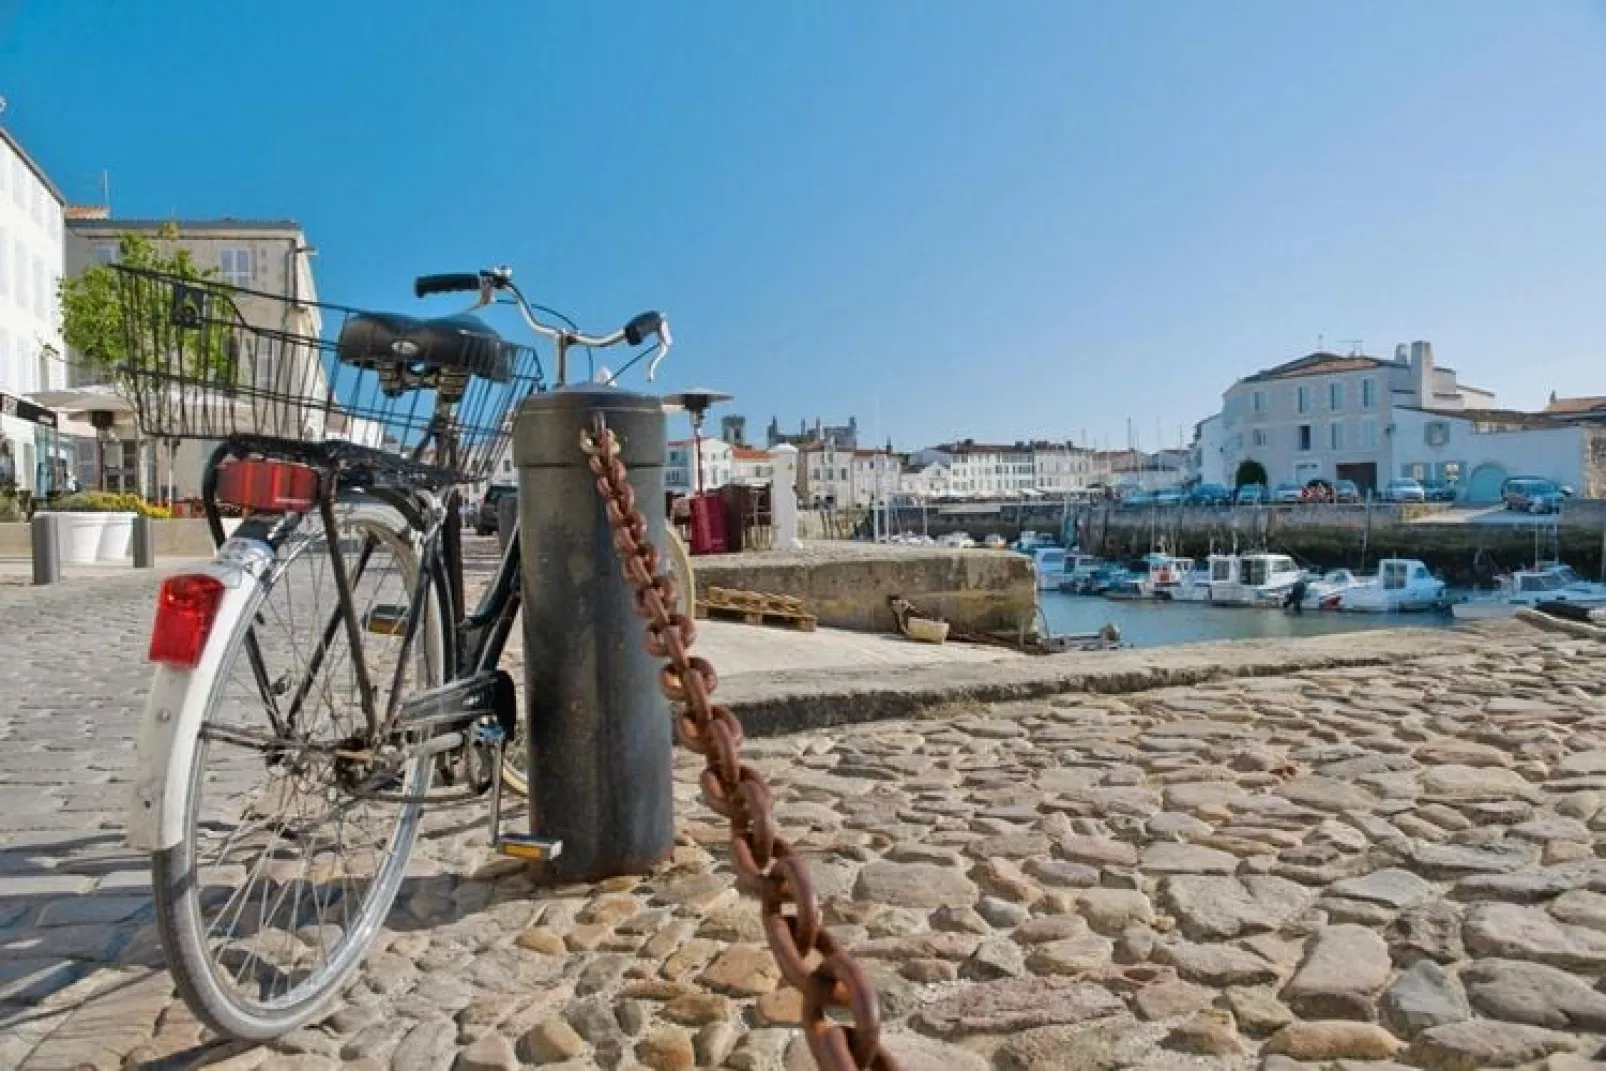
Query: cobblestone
(1372,864)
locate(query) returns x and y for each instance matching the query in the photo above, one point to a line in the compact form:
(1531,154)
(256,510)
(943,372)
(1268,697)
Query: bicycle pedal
(387,620)
(539,849)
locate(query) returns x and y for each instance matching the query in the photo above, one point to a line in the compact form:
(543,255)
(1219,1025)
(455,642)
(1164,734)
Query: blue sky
(1031,218)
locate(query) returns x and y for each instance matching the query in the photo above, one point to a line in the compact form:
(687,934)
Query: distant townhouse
(717,464)
(270,258)
(983,470)
(751,466)
(1331,416)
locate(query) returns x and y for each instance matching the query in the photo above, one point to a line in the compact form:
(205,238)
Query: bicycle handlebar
(425,285)
(638,330)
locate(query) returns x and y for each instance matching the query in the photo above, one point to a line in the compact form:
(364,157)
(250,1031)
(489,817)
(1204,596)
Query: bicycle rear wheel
(293,853)
(515,755)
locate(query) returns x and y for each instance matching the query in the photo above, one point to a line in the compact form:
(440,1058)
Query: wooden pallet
(756,608)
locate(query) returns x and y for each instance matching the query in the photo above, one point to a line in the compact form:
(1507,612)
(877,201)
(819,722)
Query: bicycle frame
(474,641)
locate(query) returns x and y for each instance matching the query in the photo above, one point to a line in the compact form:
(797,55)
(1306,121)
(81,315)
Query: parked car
(1533,494)
(485,520)
(1346,491)
(1317,490)
(1288,493)
(1167,496)
(1208,494)
(1251,494)
(1404,489)
(1439,491)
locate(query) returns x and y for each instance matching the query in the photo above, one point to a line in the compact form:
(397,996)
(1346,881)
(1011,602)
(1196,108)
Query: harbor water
(1158,624)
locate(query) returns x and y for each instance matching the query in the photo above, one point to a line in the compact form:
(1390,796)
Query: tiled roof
(1495,416)
(748,453)
(1585,404)
(185,225)
(1320,363)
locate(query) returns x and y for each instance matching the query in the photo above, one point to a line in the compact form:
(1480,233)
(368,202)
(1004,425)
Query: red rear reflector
(185,609)
(270,486)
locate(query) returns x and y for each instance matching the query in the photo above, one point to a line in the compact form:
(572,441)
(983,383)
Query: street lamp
(708,522)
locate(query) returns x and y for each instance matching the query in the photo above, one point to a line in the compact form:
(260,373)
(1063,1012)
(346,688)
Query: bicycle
(326,654)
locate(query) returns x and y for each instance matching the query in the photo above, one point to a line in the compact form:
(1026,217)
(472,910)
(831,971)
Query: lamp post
(707,530)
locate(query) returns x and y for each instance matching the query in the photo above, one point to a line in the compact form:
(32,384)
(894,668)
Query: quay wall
(1464,551)
(1466,547)
(846,585)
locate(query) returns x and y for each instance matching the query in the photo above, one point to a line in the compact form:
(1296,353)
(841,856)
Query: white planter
(79,534)
(116,537)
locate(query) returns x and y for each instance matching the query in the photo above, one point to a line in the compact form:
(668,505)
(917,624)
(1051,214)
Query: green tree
(1250,472)
(123,324)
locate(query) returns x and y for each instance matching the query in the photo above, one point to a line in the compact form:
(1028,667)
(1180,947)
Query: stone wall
(183,538)
(846,585)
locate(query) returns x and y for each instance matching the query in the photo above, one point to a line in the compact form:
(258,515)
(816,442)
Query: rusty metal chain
(767,866)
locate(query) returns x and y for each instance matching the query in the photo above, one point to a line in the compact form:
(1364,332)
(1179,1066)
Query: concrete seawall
(846,585)
(1464,550)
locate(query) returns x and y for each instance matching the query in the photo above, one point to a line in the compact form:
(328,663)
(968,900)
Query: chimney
(1422,373)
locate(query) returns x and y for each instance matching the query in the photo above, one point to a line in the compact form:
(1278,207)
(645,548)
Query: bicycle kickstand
(517,845)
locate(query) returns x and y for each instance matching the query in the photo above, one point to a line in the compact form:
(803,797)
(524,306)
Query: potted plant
(98,525)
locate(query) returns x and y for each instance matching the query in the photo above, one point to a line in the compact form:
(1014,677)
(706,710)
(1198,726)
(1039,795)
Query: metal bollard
(600,733)
(46,548)
(144,543)
(507,515)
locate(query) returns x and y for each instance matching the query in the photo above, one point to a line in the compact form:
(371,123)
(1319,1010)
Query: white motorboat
(1547,582)
(1402,585)
(1162,575)
(1195,585)
(1323,592)
(1049,564)
(1263,580)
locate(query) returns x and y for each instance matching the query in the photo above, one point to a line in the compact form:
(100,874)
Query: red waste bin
(709,531)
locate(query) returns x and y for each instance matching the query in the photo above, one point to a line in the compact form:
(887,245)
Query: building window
(1368,393)
(106,253)
(1369,433)
(1335,396)
(1437,432)
(1259,401)
(1450,472)
(1258,437)
(1416,470)
(1302,399)
(235,265)
(1335,435)
(1304,436)
(44,369)
(20,260)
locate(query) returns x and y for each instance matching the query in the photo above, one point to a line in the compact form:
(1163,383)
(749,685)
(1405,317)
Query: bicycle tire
(680,566)
(177,884)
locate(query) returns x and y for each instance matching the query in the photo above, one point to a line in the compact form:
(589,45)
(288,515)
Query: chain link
(767,866)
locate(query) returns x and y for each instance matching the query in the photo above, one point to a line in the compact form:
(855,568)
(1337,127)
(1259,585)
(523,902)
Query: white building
(680,479)
(1477,450)
(31,349)
(1332,416)
(1208,462)
(751,466)
(1061,468)
(930,480)
(983,470)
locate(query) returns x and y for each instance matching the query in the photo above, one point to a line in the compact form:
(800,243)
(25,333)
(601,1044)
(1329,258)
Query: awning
(72,401)
(29,411)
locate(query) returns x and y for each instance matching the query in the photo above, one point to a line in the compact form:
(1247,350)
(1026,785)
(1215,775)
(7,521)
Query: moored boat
(1402,585)
(1547,582)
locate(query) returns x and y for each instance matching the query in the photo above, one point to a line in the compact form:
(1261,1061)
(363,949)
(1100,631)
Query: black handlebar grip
(446,284)
(640,327)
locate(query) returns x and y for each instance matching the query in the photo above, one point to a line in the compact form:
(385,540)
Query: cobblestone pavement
(1368,868)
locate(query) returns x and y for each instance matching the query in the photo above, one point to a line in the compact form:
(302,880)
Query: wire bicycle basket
(205,360)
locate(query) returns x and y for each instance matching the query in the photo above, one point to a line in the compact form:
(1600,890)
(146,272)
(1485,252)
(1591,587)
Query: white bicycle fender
(178,700)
